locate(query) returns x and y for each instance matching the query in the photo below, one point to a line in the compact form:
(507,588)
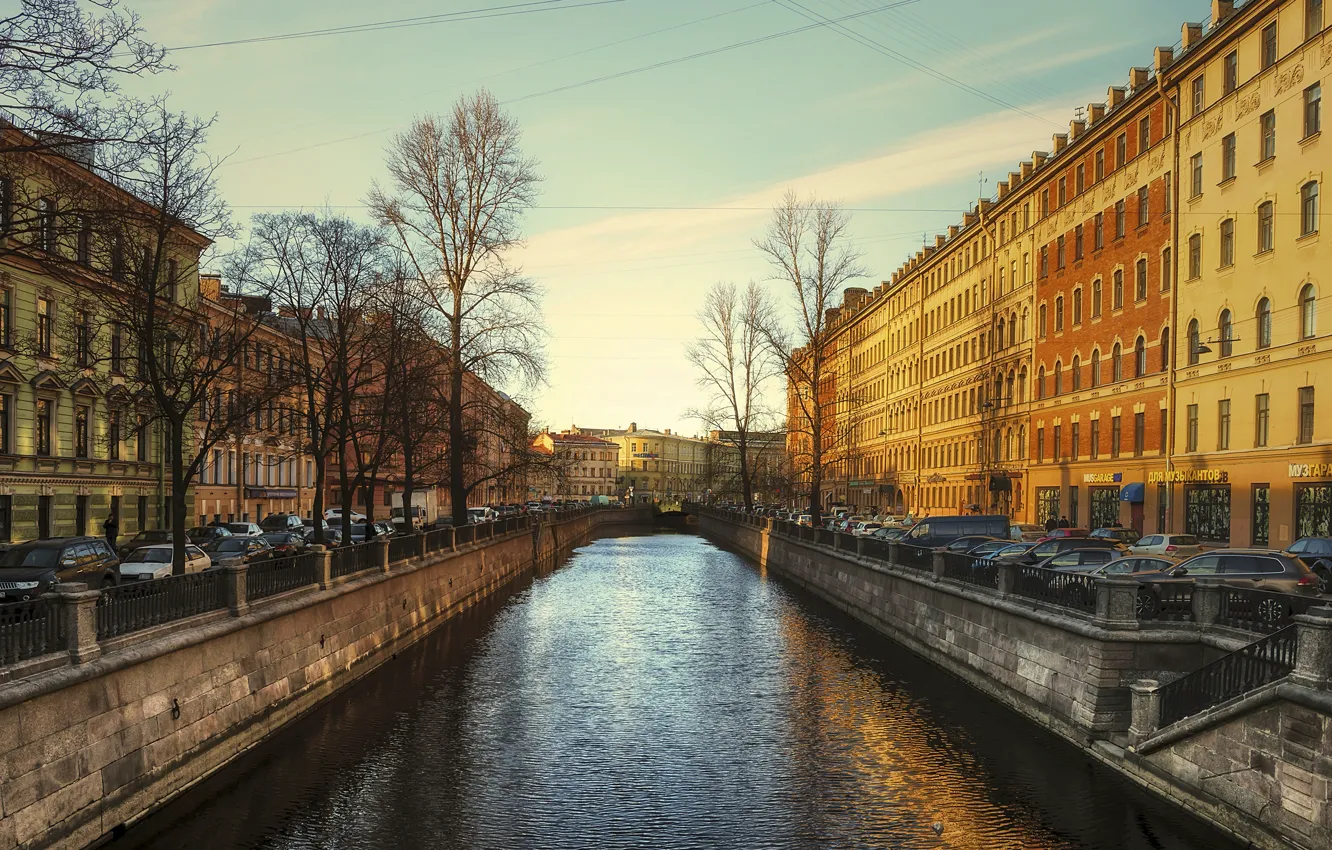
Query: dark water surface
(658,692)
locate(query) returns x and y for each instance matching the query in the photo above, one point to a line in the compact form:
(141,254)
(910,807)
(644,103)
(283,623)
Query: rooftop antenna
(980,187)
(1080,113)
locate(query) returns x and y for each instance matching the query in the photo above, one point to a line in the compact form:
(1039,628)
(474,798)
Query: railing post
(323,565)
(1117,603)
(1009,571)
(1207,601)
(860,547)
(453,537)
(894,550)
(1145,703)
(937,562)
(1313,651)
(78,613)
(420,544)
(236,570)
(382,553)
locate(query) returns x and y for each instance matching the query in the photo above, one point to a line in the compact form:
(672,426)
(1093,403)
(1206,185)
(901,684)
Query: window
(1117,363)
(1193,342)
(81,421)
(1207,515)
(1195,256)
(1226,331)
(1045,261)
(1306,414)
(1063,191)
(1140,281)
(1264,323)
(1269,45)
(1227,257)
(1040,447)
(1060,253)
(6,205)
(1228,158)
(6,409)
(1120,219)
(1058,384)
(1308,306)
(83,249)
(1265,228)
(1096,298)
(173,270)
(1191,435)
(113,438)
(1077,242)
(1196,175)
(1077,306)
(1309,208)
(45,326)
(1144,206)
(43,435)
(1230,72)
(1098,229)
(1165,349)
(83,340)
(1080,178)
(1139,433)
(1262,514)
(1140,358)
(1144,134)
(1223,424)
(1313,110)
(1096,368)
(141,440)
(1167,269)
(1040,383)
(1165,429)
(1075,448)
(1313,18)
(1059,314)
(1267,136)
(1121,150)
(1040,322)
(1045,202)
(1116,436)
(1261,415)
(117,348)
(1199,95)
(1076,372)
(46,224)
(1095,439)
(1100,165)
(6,317)
(1058,443)
(1117,290)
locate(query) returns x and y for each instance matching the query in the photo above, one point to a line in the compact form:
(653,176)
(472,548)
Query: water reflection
(659,692)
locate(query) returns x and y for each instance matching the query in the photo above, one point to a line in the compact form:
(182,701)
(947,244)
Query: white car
(149,562)
(865,529)
(1170,545)
(334,516)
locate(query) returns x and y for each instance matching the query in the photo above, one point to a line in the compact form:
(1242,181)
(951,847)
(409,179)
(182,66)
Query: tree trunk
(816,465)
(317,510)
(747,489)
(457,441)
(176,500)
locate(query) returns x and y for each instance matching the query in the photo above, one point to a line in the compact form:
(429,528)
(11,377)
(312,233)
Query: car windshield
(1184,540)
(1012,550)
(149,556)
(239,527)
(23,557)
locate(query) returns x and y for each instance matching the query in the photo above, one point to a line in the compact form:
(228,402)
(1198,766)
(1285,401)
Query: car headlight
(26,585)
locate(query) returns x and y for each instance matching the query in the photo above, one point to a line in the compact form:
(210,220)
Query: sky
(665,131)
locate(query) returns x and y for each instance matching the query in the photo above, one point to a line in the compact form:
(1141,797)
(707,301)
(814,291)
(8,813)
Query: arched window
(1193,342)
(1226,333)
(1040,383)
(1118,293)
(1040,322)
(1058,378)
(1117,363)
(1308,306)
(1059,314)
(1096,299)
(1096,368)
(1002,343)
(1264,321)
(1022,386)
(1077,306)
(1165,349)
(1026,316)
(1077,373)
(1140,358)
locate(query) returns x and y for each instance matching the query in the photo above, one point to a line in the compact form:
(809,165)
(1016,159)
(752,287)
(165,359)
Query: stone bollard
(382,553)
(860,547)
(1313,653)
(937,561)
(78,613)
(323,565)
(1117,603)
(893,552)
(236,570)
(1010,572)
(1146,710)
(420,543)
(1207,601)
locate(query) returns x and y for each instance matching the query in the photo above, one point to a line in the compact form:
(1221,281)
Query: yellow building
(1249,459)
(657,465)
(579,465)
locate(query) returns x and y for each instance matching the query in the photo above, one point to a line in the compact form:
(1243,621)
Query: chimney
(1138,77)
(969,219)
(1095,112)
(1222,9)
(210,286)
(1038,159)
(667,432)
(1075,129)
(831,315)
(1003,191)
(1060,141)
(940,240)
(1164,56)
(953,230)
(1115,94)
(1014,178)
(1190,34)
(633,427)
(984,204)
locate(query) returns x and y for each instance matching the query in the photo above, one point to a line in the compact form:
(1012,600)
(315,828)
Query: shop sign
(265,493)
(646,456)
(1189,476)
(1311,470)
(1103,478)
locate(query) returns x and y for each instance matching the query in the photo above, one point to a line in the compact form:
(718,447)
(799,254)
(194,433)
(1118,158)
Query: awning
(1135,493)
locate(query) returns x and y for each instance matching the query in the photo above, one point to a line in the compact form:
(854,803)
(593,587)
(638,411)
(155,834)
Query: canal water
(659,692)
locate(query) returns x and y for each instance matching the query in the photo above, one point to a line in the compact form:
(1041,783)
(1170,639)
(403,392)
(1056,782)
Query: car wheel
(110,580)
(1323,571)
(1148,605)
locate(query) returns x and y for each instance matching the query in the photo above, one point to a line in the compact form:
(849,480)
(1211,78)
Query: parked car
(989,548)
(1172,545)
(1258,569)
(151,562)
(144,538)
(1013,551)
(245,529)
(251,548)
(335,515)
(286,543)
(940,531)
(205,534)
(865,529)
(282,522)
(475,515)
(1083,560)
(1056,533)
(1049,548)
(966,544)
(1127,536)
(1313,551)
(805,520)
(889,534)
(1026,531)
(1136,566)
(27,570)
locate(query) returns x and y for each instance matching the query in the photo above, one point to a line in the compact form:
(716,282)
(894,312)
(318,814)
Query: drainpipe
(1172,120)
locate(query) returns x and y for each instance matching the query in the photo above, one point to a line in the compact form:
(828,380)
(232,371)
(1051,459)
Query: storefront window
(1104,507)
(1207,512)
(1313,510)
(1047,503)
(1262,513)
(1073,507)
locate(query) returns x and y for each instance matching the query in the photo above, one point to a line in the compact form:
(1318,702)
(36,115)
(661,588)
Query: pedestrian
(1051,524)
(1064,523)
(111,530)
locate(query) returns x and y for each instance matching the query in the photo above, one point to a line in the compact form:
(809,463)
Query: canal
(658,692)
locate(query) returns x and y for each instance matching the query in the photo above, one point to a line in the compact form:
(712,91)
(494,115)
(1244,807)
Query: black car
(1057,545)
(282,522)
(966,544)
(205,534)
(28,570)
(1127,536)
(1314,551)
(249,547)
(286,543)
(147,537)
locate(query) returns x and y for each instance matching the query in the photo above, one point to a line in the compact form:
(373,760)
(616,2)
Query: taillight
(1172,549)
(1308,581)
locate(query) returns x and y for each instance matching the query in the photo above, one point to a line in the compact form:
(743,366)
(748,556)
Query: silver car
(1169,545)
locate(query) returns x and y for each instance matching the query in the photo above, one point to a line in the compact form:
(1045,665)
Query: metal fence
(969,569)
(439,539)
(879,550)
(915,557)
(1071,590)
(1261,610)
(404,547)
(465,534)
(141,605)
(1260,663)
(29,629)
(1166,602)
(268,578)
(347,560)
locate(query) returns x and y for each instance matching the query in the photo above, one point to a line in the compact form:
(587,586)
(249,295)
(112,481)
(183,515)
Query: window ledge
(1193,199)
(1311,138)
(1308,237)
(1265,253)
(1264,164)
(1227,182)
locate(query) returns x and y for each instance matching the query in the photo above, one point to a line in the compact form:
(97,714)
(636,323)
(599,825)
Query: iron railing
(29,629)
(915,557)
(970,569)
(1069,590)
(1261,610)
(1170,602)
(877,549)
(439,539)
(268,578)
(144,604)
(404,547)
(465,534)
(1260,663)
(348,560)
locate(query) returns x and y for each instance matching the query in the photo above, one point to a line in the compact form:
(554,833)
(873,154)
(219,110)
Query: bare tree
(806,247)
(459,186)
(735,366)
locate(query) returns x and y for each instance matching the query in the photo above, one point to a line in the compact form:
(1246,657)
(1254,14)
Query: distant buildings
(576,466)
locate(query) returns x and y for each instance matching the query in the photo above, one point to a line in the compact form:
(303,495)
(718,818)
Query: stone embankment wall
(1260,767)
(89,748)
